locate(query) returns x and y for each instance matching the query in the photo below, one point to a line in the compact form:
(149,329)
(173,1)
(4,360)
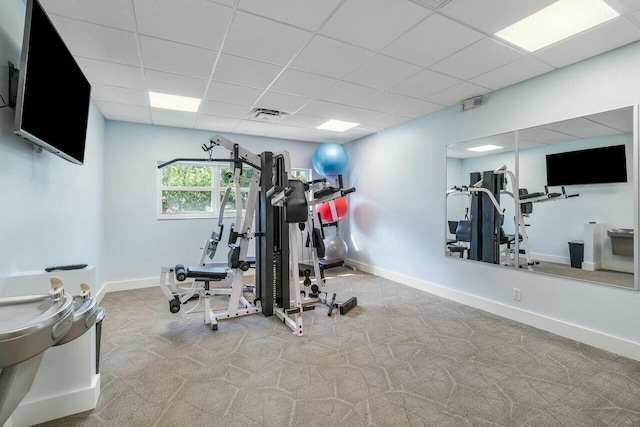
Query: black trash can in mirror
(576,253)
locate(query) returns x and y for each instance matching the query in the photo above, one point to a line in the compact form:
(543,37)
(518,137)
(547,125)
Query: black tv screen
(594,166)
(53,93)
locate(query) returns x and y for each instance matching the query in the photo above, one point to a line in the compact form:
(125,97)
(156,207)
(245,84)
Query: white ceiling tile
(107,73)
(263,39)
(491,16)
(119,95)
(363,130)
(301,120)
(195,22)
(329,57)
(229,3)
(432,40)
(517,71)
(399,105)
(381,72)
(544,136)
(113,109)
(232,94)
(326,135)
(360,115)
(251,126)
(389,120)
(624,126)
(373,23)
(324,109)
(221,109)
(281,102)
(287,132)
(158,81)
(621,119)
(98,42)
(457,93)
(610,35)
(477,59)
(582,128)
(628,5)
(347,93)
(113,13)
(222,124)
(636,15)
(301,83)
(424,83)
(181,118)
(245,72)
(177,58)
(307,14)
(525,145)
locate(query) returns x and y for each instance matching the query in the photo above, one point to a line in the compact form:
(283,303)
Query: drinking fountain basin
(621,241)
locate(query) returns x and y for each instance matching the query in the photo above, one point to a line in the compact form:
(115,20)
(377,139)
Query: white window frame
(215,190)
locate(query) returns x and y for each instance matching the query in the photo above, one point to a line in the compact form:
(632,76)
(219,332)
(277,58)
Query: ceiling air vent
(266,115)
(431,4)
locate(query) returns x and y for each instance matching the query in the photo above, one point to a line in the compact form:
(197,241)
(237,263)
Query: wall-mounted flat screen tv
(53,94)
(593,166)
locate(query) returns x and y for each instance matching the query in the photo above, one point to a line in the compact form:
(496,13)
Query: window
(196,190)
(301,174)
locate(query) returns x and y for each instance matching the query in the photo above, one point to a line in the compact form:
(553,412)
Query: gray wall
(52,210)
(397,225)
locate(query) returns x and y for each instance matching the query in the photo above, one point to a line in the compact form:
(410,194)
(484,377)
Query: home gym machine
(487,217)
(278,204)
(238,262)
(319,192)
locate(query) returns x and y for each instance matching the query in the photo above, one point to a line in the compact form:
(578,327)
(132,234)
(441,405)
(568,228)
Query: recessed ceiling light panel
(556,22)
(337,125)
(484,148)
(174,102)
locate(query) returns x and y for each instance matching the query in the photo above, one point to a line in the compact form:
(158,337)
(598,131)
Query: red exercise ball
(324,209)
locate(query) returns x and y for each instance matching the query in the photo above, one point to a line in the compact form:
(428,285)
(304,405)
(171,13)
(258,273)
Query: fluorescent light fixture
(484,148)
(174,102)
(337,125)
(556,22)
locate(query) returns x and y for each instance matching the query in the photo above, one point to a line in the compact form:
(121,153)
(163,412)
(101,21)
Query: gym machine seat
(200,272)
(453,225)
(463,234)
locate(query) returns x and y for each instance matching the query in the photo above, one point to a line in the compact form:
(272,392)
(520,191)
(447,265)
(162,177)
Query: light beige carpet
(402,358)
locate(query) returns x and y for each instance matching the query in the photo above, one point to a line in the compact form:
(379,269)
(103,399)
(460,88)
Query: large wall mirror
(557,199)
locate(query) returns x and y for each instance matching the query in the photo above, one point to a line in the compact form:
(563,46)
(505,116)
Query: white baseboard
(551,258)
(34,412)
(126,285)
(625,267)
(592,266)
(579,333)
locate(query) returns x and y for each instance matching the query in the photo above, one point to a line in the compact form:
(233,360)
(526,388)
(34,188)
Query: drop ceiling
(375,62)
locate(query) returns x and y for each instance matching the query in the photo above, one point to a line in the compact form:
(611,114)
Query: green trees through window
(197,189)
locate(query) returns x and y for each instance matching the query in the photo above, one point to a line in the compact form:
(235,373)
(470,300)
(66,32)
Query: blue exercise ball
(330,159)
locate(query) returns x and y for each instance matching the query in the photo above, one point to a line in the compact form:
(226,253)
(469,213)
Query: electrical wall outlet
(517,294)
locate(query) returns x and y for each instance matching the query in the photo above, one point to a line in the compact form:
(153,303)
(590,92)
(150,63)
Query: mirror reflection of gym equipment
(588,237)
